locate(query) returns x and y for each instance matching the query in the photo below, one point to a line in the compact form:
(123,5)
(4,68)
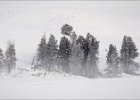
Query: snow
(60,86)
(26,22)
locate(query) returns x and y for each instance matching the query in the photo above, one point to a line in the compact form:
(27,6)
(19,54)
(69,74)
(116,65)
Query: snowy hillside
(58,86)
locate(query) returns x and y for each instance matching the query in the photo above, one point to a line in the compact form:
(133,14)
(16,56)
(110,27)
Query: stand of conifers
(77,55)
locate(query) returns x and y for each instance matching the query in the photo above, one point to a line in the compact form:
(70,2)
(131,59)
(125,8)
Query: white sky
(26,21)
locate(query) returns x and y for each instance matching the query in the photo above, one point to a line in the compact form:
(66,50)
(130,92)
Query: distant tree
(92,57)
(76,59)
(51,52)
(1,60)
(10,56)
(128,54)
(112,62)
(41,52)
(66,29)
(64,54)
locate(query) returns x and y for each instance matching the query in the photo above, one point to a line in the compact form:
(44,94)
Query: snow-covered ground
(26,22)
(60,86)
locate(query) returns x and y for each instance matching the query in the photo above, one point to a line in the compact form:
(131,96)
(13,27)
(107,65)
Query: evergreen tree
(1,60)
(86,46)
(76,59)
(92,57)
(64,54)
(51,52)
(112,62)
(10,55)
(128,54)
(41,53)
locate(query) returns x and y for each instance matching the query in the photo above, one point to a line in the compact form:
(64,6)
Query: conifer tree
(112,62)
(92,58)
(51,52)
(76,59)
(1,60)
(41,52)
(10,57)
(86,45)
(128,54)
(64,54)
(82,41)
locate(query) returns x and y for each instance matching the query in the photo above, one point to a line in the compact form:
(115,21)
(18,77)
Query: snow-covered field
(26,22)
(58,86)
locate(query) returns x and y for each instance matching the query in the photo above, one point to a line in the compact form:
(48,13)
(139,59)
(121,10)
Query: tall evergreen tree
(10,55)
(64,54)
(41,52)
(92,58)
(1,60)
(51,52)
(112,62)
(86,46)
(128,54)
(82,41)
(76,59)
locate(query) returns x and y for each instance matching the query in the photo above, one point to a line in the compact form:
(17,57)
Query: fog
(26,21)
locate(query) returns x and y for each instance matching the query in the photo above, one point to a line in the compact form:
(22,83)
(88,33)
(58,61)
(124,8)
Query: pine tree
(51,52)
(41,53)
(76,59)
(112,62)
(1,60)
(92,57)
(82,41)
(128,54)
(64,54)
(10,55)
(86,46)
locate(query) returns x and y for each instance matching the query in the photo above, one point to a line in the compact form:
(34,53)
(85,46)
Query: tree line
(79,55)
